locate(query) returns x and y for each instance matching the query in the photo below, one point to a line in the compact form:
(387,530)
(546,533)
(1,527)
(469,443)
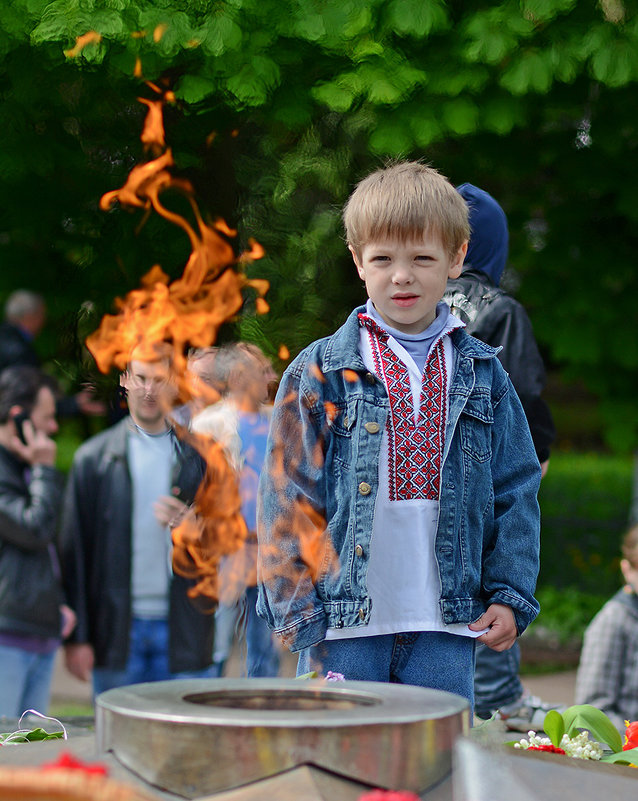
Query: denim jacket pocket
(475,426)
(344,416)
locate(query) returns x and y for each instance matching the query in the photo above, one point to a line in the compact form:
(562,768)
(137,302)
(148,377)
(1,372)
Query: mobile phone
(18,420)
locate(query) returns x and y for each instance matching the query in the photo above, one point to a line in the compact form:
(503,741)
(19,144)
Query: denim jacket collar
(342,349)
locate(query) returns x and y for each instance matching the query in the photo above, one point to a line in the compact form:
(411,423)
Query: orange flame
(153,133)
(189,312)
(159,32)
(219,530)
(91,37)
(283,353)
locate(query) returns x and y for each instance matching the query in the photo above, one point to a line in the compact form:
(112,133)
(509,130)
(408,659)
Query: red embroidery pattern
(415,449)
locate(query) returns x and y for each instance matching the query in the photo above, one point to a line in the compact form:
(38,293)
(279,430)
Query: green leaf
(531,72)
(545,10)
(221,33)
(617,65)
(58,22)
(585,716)
(501,114)
(40,734)
(253,83)
(310,27)
(193,88)
(312,675)
(365,48)
(416,18)
(425,127)
(34,735)
(554,726)
(336,97)
(391,138)
(629,757)
(460,116)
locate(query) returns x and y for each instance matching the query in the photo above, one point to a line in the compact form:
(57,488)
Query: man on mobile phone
(33,617)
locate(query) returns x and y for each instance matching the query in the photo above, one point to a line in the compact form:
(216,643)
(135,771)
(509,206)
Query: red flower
(631,735)
(67,761)
(389,795)
(551,748)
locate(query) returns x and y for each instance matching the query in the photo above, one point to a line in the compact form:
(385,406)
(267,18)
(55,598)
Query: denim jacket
(321,477)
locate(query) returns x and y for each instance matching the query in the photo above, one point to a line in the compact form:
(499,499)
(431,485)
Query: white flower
(581,747)
(577,747)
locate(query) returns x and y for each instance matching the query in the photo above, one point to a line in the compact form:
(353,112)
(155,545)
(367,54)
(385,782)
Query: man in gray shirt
(127,486)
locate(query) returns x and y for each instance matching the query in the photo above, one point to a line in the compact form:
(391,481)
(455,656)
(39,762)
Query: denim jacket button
(346,421)
(370,378)
(372,427)
(358,550)
(365,488)
(362,614)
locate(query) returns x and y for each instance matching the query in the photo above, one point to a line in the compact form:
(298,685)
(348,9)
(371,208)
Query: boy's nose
(402,274)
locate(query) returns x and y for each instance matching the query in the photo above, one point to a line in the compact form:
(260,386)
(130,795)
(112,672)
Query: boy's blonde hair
(406,201)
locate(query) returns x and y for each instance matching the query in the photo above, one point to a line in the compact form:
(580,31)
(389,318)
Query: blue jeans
(496,680)
(262,656)
(25,681)
(433,659)
(147,660)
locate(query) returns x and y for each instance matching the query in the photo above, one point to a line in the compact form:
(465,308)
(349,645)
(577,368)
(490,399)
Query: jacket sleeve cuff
(309,631)
(524,612)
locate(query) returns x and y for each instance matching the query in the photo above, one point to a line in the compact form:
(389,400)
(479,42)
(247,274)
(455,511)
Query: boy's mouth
(404,301)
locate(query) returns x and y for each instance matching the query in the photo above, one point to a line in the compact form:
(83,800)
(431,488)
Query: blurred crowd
(86,560)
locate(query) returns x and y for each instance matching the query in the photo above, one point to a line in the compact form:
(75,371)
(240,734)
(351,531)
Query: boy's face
(405,281)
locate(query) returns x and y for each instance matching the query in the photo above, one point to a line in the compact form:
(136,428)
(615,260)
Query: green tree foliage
(282,106)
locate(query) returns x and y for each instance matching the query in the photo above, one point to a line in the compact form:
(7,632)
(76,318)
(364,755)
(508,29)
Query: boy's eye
(380,258)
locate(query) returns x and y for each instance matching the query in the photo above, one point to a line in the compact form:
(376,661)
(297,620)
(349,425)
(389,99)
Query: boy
(406,436)
(606,675)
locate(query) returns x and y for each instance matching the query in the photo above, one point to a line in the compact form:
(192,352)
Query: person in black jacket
(25,315)
(127,487)
(495,317)
(33,618)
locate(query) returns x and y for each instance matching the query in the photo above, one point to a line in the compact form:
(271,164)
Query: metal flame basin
(197,737)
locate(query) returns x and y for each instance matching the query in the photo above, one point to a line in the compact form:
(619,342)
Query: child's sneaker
(526,713)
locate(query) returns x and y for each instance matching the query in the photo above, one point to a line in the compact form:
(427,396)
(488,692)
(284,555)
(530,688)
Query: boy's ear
(357,263)
(456,266)
(626,569)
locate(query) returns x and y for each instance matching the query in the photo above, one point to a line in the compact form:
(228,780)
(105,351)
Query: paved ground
(553,687)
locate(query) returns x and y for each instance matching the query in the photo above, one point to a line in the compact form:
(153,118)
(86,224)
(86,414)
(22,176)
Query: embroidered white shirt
(403,580)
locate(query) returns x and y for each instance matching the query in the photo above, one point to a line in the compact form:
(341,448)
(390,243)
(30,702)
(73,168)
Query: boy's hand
(502,627)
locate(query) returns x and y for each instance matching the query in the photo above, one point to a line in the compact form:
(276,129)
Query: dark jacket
(96,553)
(30,590)
(497,318)
(16,347)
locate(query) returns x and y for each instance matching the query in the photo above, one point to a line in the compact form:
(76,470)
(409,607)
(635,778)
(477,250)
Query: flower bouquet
(584,732)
